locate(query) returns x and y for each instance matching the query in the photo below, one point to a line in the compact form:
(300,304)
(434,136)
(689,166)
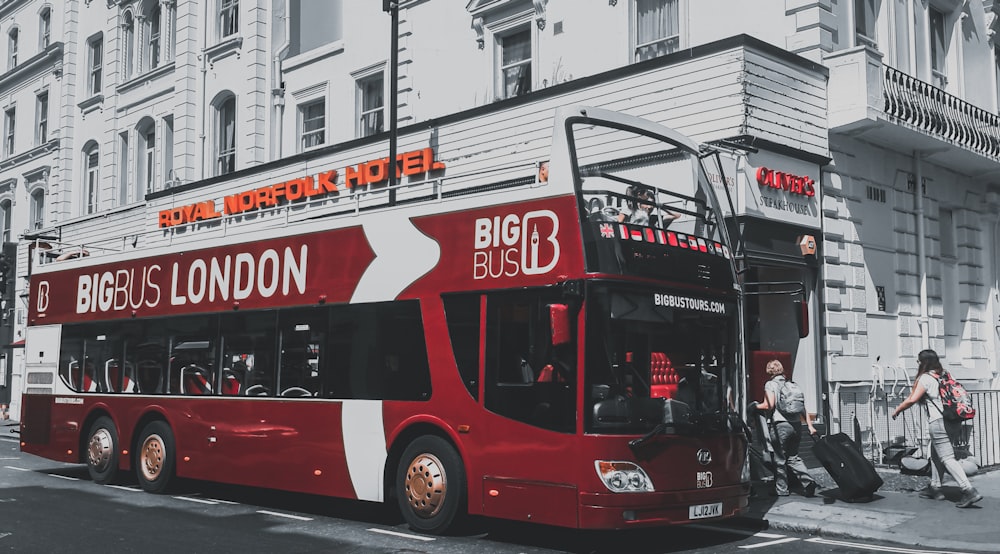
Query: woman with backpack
(786,431)
(926,390)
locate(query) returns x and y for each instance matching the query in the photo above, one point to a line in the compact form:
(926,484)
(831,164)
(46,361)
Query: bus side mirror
(559,322)
(802,317)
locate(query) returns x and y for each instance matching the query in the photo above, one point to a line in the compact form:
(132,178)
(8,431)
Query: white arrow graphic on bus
(402,255)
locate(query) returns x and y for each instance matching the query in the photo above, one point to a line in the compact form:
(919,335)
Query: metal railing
(926,107)
(981,435)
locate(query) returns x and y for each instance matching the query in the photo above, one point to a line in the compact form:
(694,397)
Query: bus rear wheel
(155,464)
(102,451)
(430,485)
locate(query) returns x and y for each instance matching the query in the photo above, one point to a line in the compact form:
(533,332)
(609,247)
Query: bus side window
(462,312)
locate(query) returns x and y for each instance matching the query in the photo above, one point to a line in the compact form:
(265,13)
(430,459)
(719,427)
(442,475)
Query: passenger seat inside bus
(663,378)
(116,380)
(196,380)
(231,383)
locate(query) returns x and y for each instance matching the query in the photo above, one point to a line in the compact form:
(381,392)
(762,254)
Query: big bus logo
(511,245)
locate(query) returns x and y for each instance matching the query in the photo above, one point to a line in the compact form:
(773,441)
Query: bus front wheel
(102,451)
(430,485)
(155,463)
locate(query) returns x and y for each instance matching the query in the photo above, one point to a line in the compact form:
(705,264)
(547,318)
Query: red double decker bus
(559,346)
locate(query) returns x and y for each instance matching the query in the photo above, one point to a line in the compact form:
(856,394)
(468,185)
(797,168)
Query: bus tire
(102,451)
(431,486)
(154,465)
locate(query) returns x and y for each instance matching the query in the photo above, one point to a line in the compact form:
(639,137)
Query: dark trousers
(786,436)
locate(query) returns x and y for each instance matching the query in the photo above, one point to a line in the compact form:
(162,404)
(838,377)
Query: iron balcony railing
(926,107)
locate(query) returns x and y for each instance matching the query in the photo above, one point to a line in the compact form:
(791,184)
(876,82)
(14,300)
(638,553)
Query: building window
(37,214)
(229,18)
(939,48)
(12,49)
(515,63)
(95,49)
(5,213)
(123,168)
(128,45)
(864,22)
(44,29)
(313,24)
(91,159)
(168,151)
(225,140)
(9,118)
(371,105)
(146,158)
(657,28)
(153,21)
(41,118)
(312,121)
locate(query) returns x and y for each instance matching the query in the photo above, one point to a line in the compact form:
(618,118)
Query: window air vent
(876,193)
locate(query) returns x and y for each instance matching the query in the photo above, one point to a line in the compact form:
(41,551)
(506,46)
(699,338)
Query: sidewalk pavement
(899,517)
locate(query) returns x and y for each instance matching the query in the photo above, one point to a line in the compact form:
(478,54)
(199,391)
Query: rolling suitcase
(854,474)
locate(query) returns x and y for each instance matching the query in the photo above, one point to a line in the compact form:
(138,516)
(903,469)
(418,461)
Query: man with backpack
(945,400)
(786,402)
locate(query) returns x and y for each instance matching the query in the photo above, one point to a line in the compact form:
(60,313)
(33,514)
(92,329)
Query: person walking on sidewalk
(785,434)
(925,390)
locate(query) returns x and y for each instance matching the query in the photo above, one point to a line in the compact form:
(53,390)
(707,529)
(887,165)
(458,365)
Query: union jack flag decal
(607,231)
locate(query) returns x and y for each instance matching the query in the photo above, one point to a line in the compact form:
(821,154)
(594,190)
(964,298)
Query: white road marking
(198,500)
(17,468)
(289,516)
(5,535)
(770,543)
(217,501)
(120,487)
(398,534)
(9,458)
(880,548)
(63,477)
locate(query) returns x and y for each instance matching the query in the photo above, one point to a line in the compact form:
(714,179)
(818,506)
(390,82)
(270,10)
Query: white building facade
(145,102)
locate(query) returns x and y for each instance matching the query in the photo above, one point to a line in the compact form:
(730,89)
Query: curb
(811,527)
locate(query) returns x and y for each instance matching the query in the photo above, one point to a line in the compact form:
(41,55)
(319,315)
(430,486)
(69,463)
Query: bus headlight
(623,476)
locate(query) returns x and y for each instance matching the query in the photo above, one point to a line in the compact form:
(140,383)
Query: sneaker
(810,490)
(932,493)
(969,498)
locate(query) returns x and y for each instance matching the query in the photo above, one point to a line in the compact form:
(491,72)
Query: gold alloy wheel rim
(99,449)
(151,457)
(426,485)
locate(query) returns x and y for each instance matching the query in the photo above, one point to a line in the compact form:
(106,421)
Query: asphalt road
(48,507)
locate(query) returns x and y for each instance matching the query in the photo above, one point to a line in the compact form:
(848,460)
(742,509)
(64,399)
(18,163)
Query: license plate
(702,511)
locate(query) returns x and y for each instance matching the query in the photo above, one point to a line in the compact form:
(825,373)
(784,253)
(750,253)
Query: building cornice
(50,58)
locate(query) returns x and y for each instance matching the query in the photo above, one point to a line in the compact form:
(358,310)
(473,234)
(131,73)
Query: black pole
(393,9)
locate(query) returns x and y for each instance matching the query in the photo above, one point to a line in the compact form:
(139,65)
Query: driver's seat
(662,376)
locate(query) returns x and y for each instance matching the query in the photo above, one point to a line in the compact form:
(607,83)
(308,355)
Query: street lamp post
(392,8)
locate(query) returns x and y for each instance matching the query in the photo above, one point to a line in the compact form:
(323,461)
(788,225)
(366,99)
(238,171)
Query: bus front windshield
(662,359)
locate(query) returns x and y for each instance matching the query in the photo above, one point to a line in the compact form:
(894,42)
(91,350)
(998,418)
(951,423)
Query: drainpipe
(204,87)
(923,320)
(278,88)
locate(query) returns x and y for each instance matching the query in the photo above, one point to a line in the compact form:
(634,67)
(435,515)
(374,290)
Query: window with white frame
(44,29)
(229,18)
(514,62)
(95,50)
(123,157)
(225,135)
(9,119)
(42,118)
(153,33)
(371,104)
(36,213)
(939,47)
(312,122)
(864,22)
(128,45)
(168,151)
(12,48)
(5,213)
(145,158)
(92,178)
(657,28)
